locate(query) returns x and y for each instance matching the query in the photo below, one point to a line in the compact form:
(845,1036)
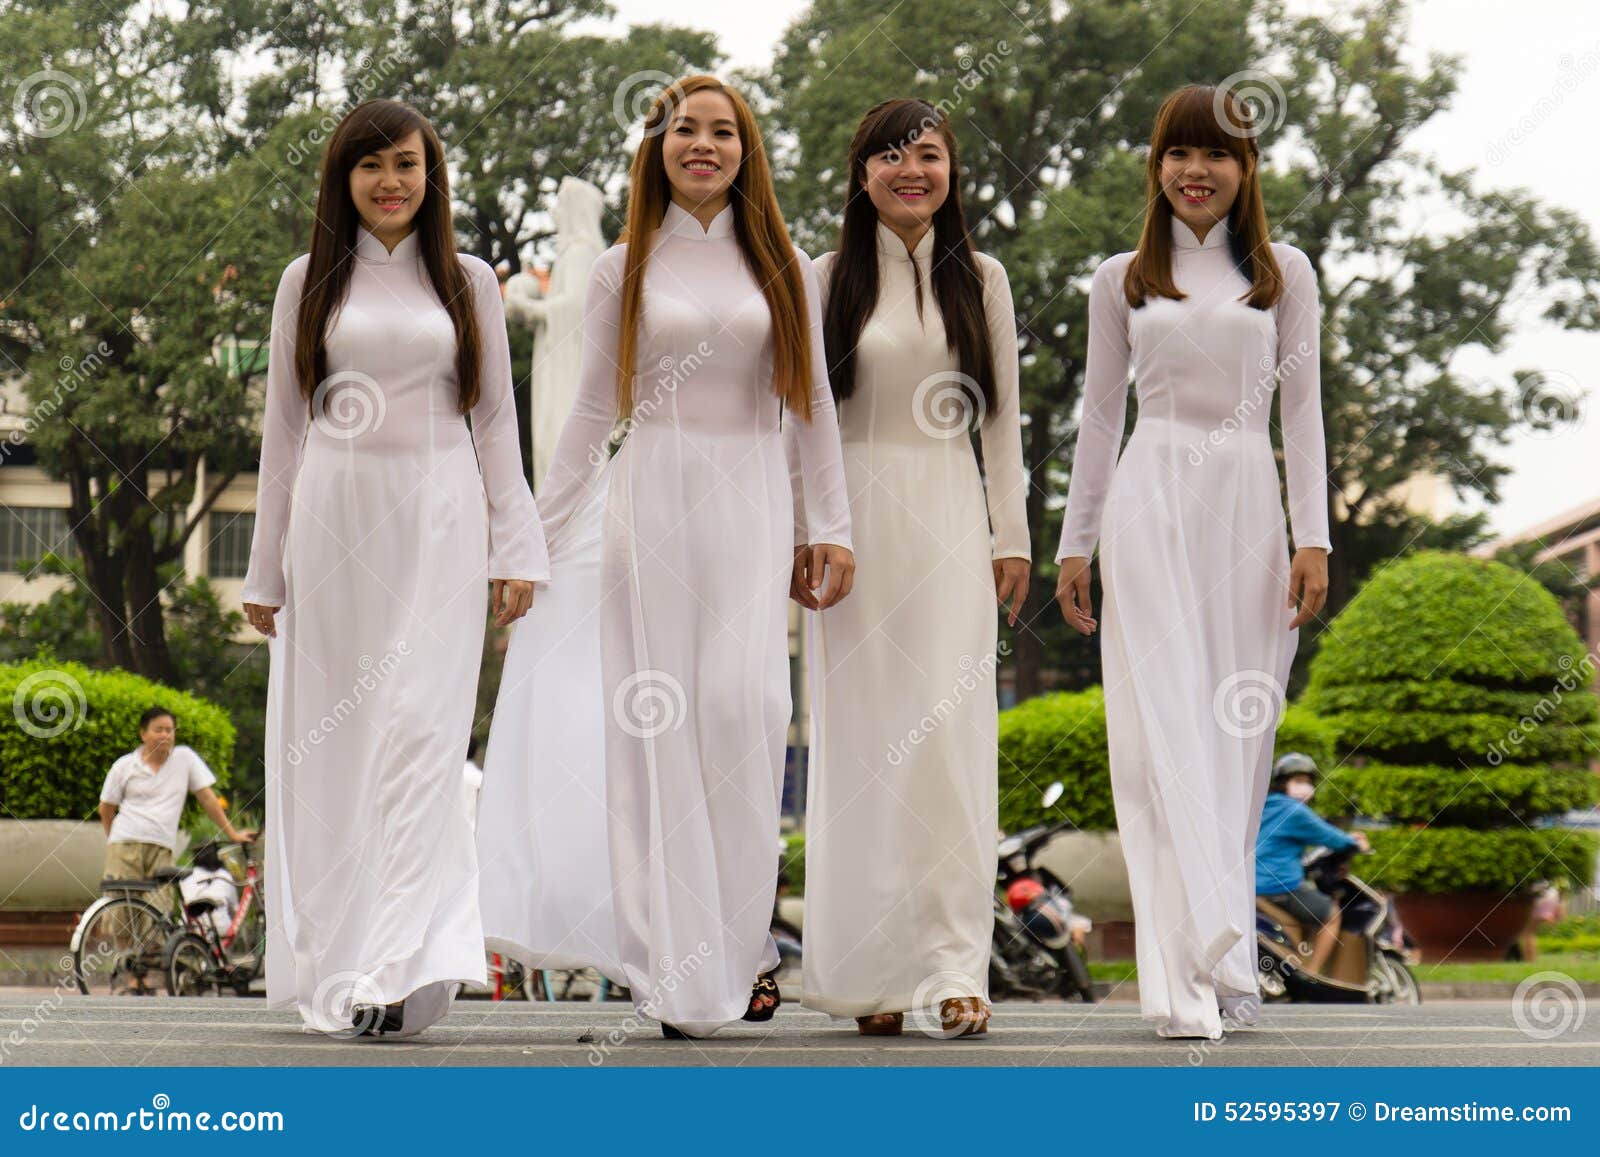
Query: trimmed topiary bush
(65,725)
(1461,699)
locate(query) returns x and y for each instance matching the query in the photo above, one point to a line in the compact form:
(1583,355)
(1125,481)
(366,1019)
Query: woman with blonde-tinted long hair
(1203,603)
(671,568)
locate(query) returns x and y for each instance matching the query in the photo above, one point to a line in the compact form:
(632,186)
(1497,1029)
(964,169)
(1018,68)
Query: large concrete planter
(50,864)
(1092,864)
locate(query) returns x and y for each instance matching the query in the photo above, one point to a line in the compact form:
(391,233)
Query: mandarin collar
(890,245)
(369,248)
(679,222)
(1183,237)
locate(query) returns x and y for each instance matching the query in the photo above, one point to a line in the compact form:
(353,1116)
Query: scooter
(1034,951)
(1369,964)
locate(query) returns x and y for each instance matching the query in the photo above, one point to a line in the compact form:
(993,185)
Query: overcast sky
(1517,58)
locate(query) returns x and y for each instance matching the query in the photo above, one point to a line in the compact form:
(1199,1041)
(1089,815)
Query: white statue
(557,316)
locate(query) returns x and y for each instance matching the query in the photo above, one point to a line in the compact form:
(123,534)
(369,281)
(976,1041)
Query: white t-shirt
(149,804)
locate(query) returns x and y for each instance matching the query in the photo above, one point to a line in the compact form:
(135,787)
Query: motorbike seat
(1291,926)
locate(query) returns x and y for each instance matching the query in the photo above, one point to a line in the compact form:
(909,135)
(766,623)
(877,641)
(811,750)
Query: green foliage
(793,862)
(1462,702)
(1303,730)
(1441,860)
(94,716)
(1056,737)
(1478,797)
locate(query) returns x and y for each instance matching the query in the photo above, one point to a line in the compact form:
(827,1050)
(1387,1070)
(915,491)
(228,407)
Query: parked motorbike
(1369,965)
(1037,949)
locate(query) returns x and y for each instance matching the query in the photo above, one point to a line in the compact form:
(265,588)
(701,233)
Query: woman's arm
(1006,478)
(1105,412)
(516,536)
(1300,401)
(283,432)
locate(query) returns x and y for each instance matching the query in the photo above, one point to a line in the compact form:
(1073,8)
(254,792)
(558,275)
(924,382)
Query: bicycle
(122,937)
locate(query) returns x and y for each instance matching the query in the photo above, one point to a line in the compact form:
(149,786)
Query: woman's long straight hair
(1205,117)
(893,125)
(370,126)
(757,225)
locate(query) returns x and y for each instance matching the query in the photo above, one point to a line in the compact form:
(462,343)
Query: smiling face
(907,185)
(388,186)
(701,149)
(1200,183)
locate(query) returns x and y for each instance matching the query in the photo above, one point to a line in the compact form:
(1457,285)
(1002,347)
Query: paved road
(76,1030)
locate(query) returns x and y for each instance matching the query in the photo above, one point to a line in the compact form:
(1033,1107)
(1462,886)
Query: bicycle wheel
(117,951)
(189,968)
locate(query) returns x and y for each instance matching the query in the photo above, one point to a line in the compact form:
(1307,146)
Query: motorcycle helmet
(1023,892)
(1291,764)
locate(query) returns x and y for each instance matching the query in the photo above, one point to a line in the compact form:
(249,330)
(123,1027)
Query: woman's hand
(799,579)
(509,600)
(1308,583)
(834,562)
(1011,584)
(1072,594)
(261,618)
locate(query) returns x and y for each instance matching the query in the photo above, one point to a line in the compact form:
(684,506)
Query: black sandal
(673,1032)
(764,986)
(378,1019)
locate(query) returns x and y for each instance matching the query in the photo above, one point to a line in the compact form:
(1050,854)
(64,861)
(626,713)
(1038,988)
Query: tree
(1053,108)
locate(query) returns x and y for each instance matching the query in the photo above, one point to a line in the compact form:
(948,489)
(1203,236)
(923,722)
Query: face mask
(1300,790)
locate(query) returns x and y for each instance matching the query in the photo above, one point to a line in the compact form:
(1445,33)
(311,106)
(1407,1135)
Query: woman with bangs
(662,742)
(1203,603)
(922,347)
(385,527)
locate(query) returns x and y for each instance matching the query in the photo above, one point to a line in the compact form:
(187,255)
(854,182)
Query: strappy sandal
(765,986)
(963,1016)
(881,1024)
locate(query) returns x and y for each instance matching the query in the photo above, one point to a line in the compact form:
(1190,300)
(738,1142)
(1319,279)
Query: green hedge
(1442,860)
(1481,797)
(1461,698)
(1062,736)
(1434,616)
(67,724)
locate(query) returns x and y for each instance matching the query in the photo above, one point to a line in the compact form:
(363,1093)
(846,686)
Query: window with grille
(228,544)
(28,533)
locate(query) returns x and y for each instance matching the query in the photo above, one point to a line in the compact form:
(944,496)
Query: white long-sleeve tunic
(660,799)
(1195,638)
(379,522)
(900,852)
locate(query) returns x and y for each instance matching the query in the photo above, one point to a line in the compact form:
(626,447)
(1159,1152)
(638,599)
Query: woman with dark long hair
(922,348)
(382,518)
(702,337)
(1211,318)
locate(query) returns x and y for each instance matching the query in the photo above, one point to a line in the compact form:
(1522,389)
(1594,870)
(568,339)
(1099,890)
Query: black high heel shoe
(673,1032)
(765,986)
(378,1019)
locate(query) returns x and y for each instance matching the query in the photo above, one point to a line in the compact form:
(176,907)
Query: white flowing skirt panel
(902,817)
(694,655)
(541,831)
(372,887)
(1195,651)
